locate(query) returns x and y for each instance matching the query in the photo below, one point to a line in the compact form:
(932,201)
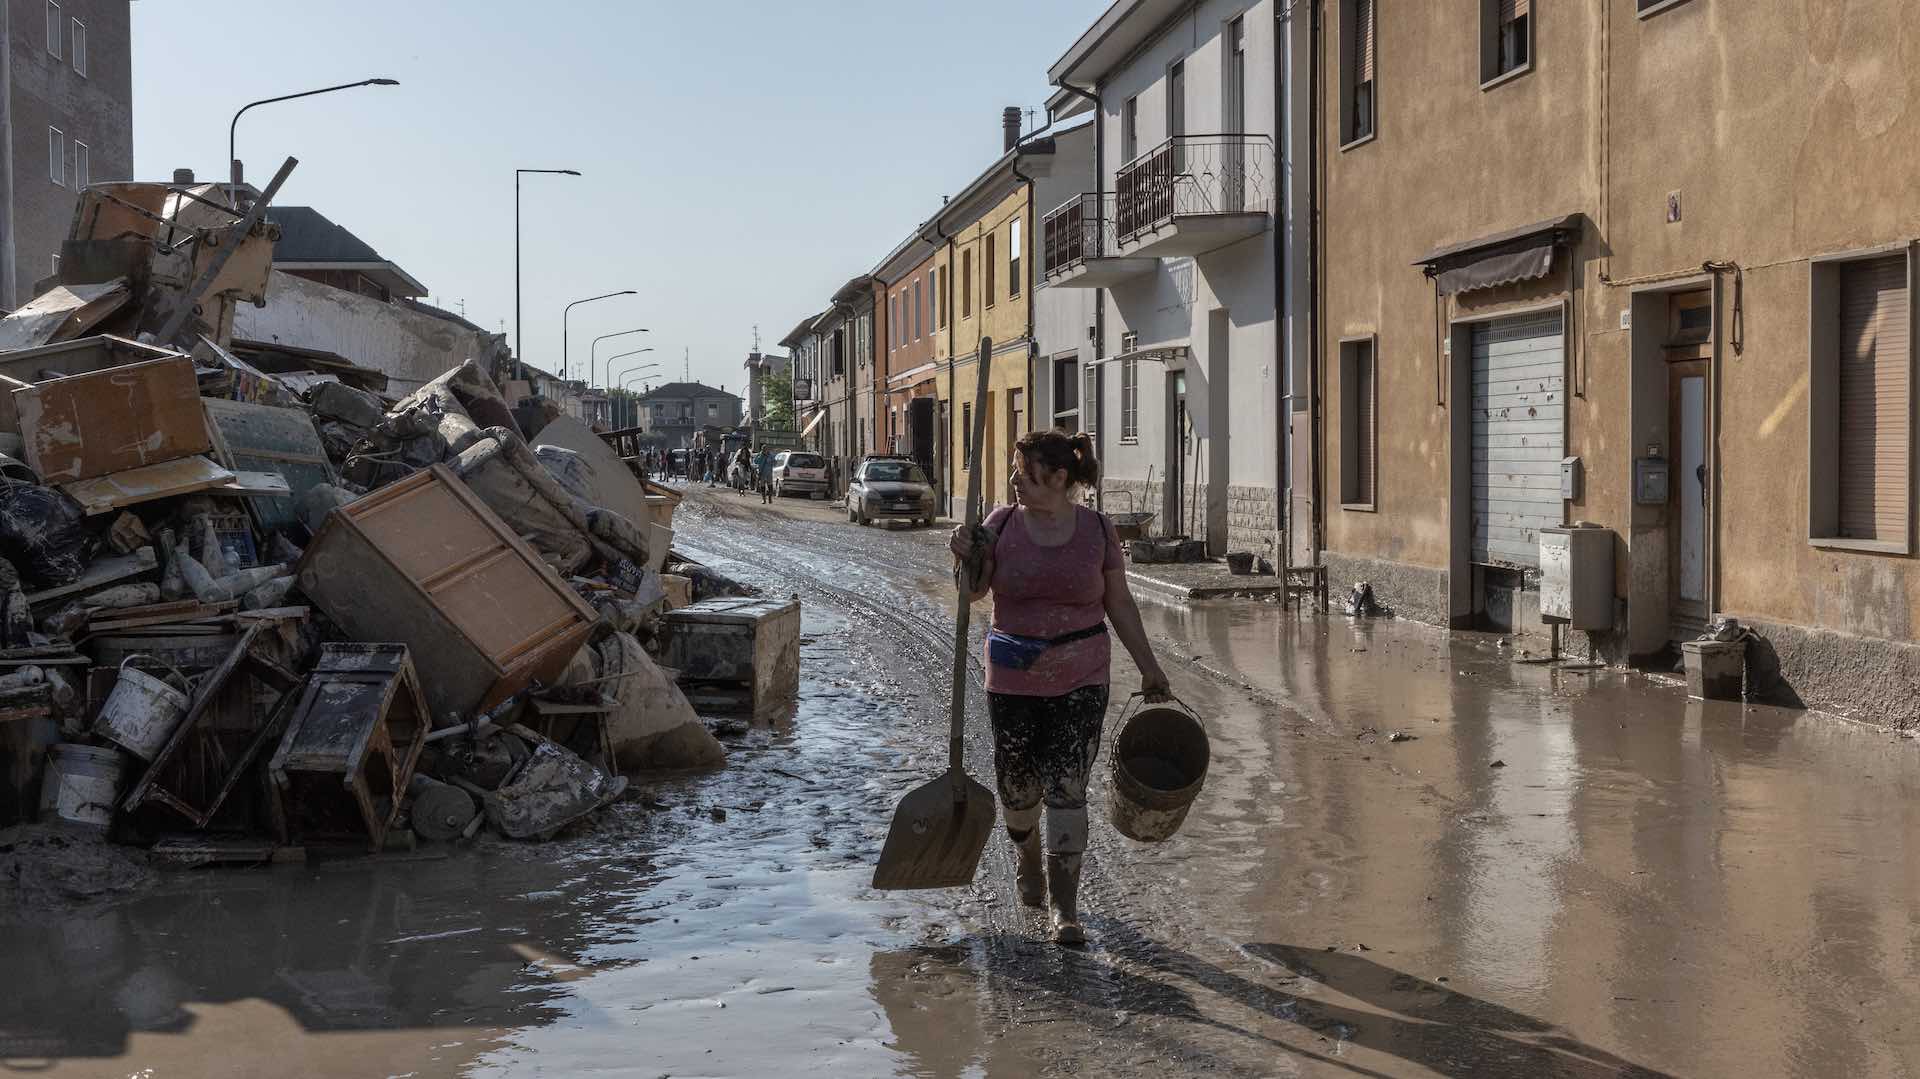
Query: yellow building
(985,289)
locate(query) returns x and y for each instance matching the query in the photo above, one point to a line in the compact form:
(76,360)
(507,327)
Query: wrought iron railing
(1193,174)
(1079,229)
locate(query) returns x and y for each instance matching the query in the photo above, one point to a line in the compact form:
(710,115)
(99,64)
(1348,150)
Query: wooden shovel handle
(963,577)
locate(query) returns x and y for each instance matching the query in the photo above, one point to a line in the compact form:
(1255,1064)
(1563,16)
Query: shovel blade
(935,840)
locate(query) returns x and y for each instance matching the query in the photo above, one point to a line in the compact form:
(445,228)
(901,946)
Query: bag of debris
(553,788)
(343,404)
(44,533)
(506,477)
(467,390)
(652,725)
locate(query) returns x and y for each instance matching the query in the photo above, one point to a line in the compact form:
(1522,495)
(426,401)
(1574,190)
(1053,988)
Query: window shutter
(1363,40)
(1368,456)
(1875,357)
(1512,9)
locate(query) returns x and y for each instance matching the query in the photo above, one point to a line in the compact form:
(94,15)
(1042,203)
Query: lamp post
(519,357)
(593,351)
(566,357)
(613,382)
(233,165)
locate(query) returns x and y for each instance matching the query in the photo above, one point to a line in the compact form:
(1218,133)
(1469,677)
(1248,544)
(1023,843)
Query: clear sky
(740,161)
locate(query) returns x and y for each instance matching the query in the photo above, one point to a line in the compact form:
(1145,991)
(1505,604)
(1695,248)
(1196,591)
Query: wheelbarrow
(1130,526)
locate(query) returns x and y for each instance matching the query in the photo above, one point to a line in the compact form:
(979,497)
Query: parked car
(889,487)
(800,472)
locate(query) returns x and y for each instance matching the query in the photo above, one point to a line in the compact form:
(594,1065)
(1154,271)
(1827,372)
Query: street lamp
(566,357)
(519,357)
(593,351)
(233,164)
(615,382)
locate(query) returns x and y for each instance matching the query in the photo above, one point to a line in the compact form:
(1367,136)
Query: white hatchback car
(799,472)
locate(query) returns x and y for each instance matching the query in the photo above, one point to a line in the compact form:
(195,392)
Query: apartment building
(907,322)
(68,117)
(673,413)
(803,343)
(1197,266)
(1064,321)
(1646,265)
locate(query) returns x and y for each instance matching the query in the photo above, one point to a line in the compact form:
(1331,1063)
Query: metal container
(1716,670)
(1159,765)
(81,785)
(141,712)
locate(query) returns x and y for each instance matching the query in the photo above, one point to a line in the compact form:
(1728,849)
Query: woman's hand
(1154,685)
(967,546)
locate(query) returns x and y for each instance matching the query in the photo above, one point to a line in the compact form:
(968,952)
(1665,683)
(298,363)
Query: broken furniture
(424,562)
(343,766)
(26,367)
(210,750)
(735,653)
(112,420)
(282,441)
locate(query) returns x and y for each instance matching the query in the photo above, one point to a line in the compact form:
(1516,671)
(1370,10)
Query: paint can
(81,785)
(141,712)
(1159,764)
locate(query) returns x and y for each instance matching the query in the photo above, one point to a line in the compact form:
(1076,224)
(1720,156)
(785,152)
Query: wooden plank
(257,484)
(103,572)
(104,494)
(109,421)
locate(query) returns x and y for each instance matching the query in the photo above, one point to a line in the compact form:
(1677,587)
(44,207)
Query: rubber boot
(1028,877)
(1063,885)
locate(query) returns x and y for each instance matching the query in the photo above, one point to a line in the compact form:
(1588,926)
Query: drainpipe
(1282,336)
(1316,120)
(1027,262)
(1099,295)
(9,263)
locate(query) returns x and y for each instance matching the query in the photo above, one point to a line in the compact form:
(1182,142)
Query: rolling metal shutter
(1519,415)
(1512,9)
(1367,452)
(1874,360)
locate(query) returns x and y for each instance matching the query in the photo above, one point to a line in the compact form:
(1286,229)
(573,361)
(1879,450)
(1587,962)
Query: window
(1861,401)
(893,322)
(1654,7)
(990,269)
(966,431)
(1013,258)
(1129,130)
(1129,399)
(1359,449)
(1506,38)
(77,45)
(1090,411)
(713,410)
(1356,72)
(919,304)
(940,300)
(57,155)
(1066,394)
(1236,75)
(966,283)
(1177,99)
(53,29)
(82,167)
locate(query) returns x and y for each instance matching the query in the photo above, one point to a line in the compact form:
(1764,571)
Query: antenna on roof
(686,372)
(756,338)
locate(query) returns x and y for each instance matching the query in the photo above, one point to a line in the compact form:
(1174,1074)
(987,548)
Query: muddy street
(1553,873)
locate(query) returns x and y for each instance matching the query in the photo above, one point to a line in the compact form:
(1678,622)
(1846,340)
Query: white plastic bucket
(141,712)
(81,785)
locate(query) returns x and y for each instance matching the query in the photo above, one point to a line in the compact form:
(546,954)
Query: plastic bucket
(1159,764)
(141,712)
(81,785)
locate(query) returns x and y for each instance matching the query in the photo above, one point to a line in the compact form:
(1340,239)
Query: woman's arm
(1125,616)
(961,544)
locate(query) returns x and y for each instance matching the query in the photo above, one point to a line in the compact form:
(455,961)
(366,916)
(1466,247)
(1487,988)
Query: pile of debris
(245,611)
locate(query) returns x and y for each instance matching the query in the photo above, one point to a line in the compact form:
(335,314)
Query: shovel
(941,827)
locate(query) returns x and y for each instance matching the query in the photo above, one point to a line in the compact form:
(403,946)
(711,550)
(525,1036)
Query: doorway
(1687,494)
(1179,438)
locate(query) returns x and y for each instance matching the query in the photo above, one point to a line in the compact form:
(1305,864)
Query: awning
(1522,254)
(1167,354)
(813,423)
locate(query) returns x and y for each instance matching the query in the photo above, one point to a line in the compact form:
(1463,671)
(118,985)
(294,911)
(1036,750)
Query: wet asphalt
(1552,873)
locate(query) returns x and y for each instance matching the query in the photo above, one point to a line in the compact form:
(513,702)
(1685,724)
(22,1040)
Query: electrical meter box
(1570,477)
(1576,576)
(1650,481)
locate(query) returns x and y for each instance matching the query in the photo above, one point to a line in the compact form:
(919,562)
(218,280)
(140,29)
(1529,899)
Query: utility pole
(686,365)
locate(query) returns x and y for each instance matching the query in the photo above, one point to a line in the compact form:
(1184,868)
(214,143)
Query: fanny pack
(1015,652)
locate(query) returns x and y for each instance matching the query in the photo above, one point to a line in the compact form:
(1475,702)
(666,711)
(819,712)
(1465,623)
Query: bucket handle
(154,659)
(1137,698)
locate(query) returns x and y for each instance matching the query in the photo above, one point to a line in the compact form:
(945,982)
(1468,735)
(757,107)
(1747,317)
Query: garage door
(1519,416)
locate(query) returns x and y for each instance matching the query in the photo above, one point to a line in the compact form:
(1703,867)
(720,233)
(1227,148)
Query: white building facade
(1196,265)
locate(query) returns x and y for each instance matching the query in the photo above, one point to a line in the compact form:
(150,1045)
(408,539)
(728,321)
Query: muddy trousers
(1043,753)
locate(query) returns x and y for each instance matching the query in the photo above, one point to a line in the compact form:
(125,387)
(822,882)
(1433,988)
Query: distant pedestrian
(763,468)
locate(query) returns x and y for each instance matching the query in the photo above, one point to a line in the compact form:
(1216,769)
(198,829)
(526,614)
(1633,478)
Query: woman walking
(1057,577)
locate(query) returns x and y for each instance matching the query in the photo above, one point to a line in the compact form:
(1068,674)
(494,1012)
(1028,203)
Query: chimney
(182,176)
(1010,127)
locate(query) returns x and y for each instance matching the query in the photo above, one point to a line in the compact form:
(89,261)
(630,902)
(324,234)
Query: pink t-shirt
(1050,592)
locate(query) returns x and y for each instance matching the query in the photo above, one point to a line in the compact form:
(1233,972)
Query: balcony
(1081,250)
(1193,194)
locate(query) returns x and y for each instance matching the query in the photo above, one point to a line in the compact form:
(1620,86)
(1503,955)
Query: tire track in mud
(1121,1009)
